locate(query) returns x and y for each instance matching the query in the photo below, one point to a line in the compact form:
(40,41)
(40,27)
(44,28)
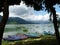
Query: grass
(15,29)
(10,29)
(43,40)
(25,30)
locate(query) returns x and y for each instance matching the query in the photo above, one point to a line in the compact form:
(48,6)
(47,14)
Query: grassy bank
(43,40)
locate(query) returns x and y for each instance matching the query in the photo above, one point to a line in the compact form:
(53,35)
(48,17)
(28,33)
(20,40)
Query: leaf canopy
(36,4)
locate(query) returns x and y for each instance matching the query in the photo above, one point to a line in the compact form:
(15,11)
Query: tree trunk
(4,19)
(55,25)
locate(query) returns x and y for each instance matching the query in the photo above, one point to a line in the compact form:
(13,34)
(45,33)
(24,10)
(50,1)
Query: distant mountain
(41,22)
(16,20)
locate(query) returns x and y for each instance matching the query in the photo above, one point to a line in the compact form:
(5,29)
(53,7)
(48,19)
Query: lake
(12,29)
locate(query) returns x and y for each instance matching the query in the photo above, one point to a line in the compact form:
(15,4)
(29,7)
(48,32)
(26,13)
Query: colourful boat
(32,35)
(15,37)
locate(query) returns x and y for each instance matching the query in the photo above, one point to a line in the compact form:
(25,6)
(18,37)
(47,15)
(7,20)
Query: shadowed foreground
(48,40)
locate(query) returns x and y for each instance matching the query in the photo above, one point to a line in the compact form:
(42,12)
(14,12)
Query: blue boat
(15,37)
(32,35)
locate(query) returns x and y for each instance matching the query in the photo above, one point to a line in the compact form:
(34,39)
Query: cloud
(1,13)
(26,13)
(36,17)
(21,9)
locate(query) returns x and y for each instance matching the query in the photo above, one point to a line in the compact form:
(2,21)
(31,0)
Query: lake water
(32,28)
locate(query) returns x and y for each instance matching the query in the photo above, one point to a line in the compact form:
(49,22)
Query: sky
(28,13)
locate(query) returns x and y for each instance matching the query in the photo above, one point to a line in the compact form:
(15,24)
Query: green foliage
(25,30)
(10,29)
(46,40)
(21,27)
(18,27)
(12,22)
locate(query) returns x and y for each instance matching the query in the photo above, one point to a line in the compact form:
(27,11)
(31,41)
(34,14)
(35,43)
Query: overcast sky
(28,13)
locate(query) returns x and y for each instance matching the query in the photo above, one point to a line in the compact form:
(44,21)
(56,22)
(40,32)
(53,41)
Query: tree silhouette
(49,6)
(4,19)
(4,6)
(36,4)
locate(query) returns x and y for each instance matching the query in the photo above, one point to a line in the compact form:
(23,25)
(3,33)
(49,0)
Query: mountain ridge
(17,20)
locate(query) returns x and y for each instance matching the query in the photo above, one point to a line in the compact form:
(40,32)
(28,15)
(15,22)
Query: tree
(37,5)
(4,6)
(4,19)
(47,5)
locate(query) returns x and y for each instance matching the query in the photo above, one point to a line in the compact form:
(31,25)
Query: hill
(16,20)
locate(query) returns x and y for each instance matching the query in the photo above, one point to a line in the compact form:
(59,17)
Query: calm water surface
(32,28)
